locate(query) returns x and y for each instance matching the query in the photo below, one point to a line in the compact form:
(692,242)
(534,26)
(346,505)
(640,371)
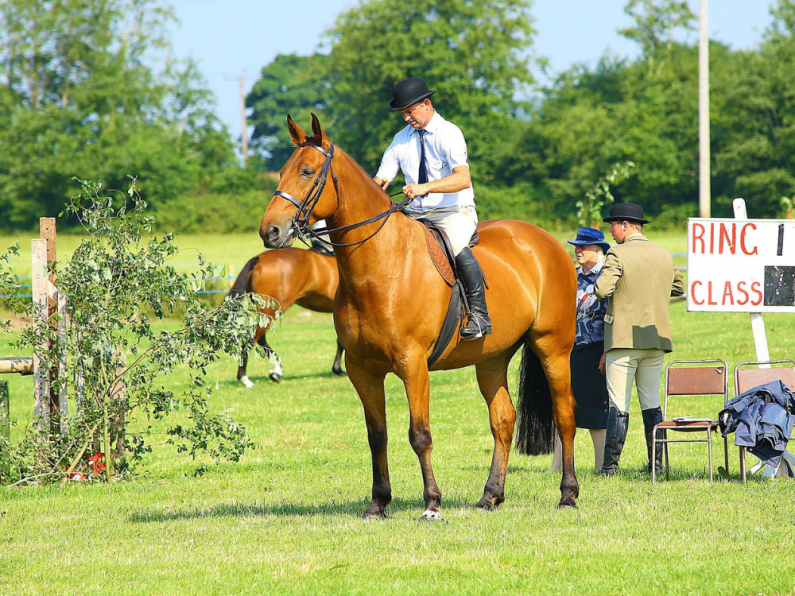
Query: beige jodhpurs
(459,223)
(644,366)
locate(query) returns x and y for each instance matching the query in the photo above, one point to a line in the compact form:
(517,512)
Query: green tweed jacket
(640,278)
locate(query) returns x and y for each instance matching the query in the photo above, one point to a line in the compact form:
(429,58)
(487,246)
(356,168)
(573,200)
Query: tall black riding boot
(651,418)
(615,437)
(478,323)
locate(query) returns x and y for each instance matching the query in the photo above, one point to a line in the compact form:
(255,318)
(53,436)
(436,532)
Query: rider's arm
(458,180)
(390,165)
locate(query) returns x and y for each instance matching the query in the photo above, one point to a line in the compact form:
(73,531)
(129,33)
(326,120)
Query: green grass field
(286,520)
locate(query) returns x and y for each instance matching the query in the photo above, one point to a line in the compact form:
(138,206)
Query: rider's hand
(412,191)
(602,363)
(382,182)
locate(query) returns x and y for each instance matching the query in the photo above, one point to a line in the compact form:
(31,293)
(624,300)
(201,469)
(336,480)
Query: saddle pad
(439,258)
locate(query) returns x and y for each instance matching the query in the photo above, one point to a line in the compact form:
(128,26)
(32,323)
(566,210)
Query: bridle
(299,226)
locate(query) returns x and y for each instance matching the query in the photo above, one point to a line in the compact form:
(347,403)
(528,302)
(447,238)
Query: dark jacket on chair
(762,419)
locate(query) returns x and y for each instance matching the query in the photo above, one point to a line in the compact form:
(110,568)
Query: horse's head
(302,197)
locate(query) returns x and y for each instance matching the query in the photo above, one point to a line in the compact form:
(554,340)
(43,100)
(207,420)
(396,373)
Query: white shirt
(445,149)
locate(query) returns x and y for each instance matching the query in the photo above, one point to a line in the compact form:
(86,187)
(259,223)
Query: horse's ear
(321,137)
(296,133)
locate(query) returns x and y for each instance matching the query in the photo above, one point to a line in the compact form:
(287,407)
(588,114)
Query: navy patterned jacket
(590,309)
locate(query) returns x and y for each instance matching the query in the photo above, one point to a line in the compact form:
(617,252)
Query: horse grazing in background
(290,276)
(391,303)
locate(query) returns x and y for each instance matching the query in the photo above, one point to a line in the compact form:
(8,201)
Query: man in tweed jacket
(640,278)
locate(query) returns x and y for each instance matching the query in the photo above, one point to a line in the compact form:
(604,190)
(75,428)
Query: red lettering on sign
(693,290)
(742,240)
(755,289)
(709,294)
(698,235)
(741,289)
(712,238)
(727,292)
(724,234)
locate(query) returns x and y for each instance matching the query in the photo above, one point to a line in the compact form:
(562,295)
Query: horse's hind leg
(556,364)
(242,375)
(336,368)
(493,382)
(371,393)
(274,361)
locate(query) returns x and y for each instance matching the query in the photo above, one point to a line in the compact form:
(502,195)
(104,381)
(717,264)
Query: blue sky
(233,37)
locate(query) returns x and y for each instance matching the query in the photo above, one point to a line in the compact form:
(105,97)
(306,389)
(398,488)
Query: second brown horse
(391,303)
(290,276)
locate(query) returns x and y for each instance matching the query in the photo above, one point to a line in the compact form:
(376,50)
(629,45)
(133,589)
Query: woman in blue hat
(588,381)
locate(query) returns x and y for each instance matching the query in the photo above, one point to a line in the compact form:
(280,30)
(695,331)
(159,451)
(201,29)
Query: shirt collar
(434,123)
(635,234)
(596,269)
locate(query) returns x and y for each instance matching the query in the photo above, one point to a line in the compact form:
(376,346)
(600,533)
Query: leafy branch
(589,211)
(118,283)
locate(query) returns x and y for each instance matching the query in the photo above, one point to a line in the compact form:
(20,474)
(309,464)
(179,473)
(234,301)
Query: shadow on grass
(265,381)
(351,508)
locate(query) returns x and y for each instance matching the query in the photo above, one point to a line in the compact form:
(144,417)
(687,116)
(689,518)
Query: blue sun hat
(590,236)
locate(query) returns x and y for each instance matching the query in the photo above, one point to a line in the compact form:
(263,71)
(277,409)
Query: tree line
(78,97)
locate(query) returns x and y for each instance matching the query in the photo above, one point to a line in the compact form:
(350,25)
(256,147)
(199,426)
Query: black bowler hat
(587,236)
(626,212)
(408,92)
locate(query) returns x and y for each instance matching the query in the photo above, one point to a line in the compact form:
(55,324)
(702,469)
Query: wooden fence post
(56,305)
(41,410)
(5,419)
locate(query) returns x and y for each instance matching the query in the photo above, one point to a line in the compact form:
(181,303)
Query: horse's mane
(312,140)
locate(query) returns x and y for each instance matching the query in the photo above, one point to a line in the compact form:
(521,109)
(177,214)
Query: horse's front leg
(417,383)
(371,392)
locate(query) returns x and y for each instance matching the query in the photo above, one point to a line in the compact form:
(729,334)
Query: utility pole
(704,191)
(244,130)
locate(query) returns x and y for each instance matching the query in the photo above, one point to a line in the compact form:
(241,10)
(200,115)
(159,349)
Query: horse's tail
(241,283)
(535,434)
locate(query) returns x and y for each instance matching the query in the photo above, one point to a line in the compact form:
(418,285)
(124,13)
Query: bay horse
(391,303)
(290,276)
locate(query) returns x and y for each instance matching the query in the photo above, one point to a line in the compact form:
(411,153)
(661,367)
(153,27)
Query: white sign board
(741,265)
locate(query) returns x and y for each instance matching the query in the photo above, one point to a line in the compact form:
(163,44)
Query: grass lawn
(286,520)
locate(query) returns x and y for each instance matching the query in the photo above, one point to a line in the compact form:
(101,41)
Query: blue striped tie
(423,177)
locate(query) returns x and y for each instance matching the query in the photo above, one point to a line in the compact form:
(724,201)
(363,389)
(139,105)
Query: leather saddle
(441,252)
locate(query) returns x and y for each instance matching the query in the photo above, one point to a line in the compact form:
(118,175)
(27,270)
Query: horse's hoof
(431,516)
(247,382)
(378,516)
(568,503)
(489,503)
(339,373)
(275,377)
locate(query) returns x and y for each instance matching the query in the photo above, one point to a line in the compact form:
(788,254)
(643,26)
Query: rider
(432,154)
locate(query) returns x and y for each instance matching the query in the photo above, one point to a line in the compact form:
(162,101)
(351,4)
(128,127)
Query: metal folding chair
(748,378)
(691,381)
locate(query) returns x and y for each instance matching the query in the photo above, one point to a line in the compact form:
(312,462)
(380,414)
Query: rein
(300,223)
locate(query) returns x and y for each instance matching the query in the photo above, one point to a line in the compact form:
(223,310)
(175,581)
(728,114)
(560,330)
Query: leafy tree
(474,52)
(756,156)
(291,84)
(77,94)
(655,22)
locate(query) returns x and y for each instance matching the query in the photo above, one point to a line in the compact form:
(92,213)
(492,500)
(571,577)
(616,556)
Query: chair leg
(726,454)
(742,464)
(654,457)
(709,450)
